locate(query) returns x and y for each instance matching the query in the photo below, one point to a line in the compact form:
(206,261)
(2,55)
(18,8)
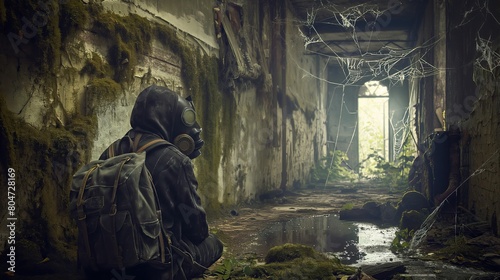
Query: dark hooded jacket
(172,172)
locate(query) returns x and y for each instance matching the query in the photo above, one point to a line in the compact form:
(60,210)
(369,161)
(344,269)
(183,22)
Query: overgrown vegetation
(41,36)
(73,16)
(401,241)
(394,174)
(288,261)
(130,35)
(333,169)
(101,93)
(96,67)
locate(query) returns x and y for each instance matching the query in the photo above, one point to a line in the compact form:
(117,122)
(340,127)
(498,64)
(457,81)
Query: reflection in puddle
(351,242)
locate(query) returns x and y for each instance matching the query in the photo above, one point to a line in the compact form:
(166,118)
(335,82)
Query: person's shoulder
(169,153)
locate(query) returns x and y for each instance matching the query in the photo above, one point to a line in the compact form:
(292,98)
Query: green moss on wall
(44,161)
(209,97)
(96,67)
(200,74)
(100,94)
(73,16)
(39,27)
(130,35)
(42,40)
(228,123)
(168,38)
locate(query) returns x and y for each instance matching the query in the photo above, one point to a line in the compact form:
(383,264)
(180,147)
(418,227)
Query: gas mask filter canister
(188,139)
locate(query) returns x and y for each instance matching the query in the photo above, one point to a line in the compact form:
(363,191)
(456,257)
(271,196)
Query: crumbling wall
(305,109)
(481,149)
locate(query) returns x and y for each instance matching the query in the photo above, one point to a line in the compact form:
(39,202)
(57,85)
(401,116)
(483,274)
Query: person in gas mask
(161,113)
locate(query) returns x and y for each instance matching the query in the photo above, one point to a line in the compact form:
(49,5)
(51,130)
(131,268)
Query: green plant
(393,174)
(348,206)
(401,241)
(333,168)
(226,268)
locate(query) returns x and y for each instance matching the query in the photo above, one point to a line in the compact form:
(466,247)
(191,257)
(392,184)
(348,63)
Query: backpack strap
(134,145)
(112,148)
(82,223)
(137,138)
(164,244)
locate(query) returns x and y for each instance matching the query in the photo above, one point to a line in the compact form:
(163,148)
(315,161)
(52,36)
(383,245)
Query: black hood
(154,112)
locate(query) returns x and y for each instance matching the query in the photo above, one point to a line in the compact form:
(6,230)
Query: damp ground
(310,217)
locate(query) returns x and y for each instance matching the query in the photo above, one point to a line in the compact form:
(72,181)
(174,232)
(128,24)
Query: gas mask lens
(188,117)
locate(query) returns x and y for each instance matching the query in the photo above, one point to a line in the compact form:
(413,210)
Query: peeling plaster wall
(306,132)
(193,19)
(255,159)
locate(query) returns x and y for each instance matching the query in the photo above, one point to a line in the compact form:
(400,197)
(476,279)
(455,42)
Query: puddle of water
(352,242)
(358,244)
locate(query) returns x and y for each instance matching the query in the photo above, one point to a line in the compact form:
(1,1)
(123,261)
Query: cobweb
(488,59)
(421,233)
(385,62)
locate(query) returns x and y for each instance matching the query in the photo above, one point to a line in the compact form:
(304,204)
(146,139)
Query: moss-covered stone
(411,200)
(295,261)
(289,261)
(34,26)
(288,252)
(373,209)
(412,220)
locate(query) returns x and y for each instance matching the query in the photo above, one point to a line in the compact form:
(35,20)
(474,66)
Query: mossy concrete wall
(108,58)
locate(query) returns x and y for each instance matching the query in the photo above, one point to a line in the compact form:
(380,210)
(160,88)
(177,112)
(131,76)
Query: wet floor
(352,242)
(356,244)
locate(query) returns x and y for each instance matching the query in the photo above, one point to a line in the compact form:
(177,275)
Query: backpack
(115,205)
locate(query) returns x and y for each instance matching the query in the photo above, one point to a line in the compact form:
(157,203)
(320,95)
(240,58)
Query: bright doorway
(373,128)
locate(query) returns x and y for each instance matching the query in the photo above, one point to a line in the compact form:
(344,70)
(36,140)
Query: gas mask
(186,130)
